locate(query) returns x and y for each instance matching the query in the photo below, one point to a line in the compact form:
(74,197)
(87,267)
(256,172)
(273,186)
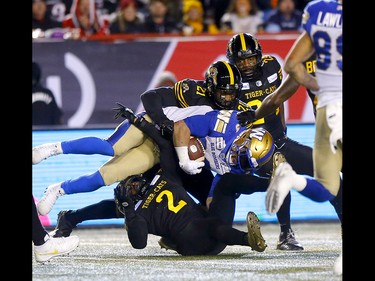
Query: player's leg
(198,238)
(45,246)
(227,189)
(86,145)
(124,137)
(300,157)
(327,168)
(287,239)
(135,161)
(67,220)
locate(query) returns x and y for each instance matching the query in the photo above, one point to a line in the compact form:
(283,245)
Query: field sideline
(105,254)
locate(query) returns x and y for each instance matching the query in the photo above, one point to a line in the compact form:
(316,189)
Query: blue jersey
(217,130)
(322,20)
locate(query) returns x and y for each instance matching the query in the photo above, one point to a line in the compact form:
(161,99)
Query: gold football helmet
(252,149)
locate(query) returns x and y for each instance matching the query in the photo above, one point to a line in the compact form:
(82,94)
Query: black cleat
(288,242)
(63,227)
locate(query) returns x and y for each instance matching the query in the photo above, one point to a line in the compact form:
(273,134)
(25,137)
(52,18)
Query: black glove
(246,117)
(123,203)
(124,112)
(166,129)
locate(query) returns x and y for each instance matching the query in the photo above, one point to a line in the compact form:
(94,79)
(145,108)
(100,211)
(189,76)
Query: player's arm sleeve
(155,100)
(137,231)
(199,125)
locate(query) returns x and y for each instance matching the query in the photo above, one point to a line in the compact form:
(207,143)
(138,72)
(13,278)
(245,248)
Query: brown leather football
(195,149)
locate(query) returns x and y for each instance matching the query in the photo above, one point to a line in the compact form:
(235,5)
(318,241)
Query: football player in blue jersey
(322,23)
(161,206)
(128,144)
(322,36)
(261,77)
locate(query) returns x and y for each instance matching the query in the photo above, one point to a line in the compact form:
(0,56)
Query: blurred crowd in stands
(74,19)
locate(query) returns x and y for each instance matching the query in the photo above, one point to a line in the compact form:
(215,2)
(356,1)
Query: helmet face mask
(224,84)
(241,47)
(251,149)
(136,187)
(225,98)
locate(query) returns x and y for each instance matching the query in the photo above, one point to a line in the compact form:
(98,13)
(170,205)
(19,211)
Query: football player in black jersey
(190,93)
(164,208)
(261,76)
(167,210)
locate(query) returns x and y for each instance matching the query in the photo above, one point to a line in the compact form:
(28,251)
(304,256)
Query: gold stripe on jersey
(220,126)
(222,120)
(280,73)
(231,76)
(178,92)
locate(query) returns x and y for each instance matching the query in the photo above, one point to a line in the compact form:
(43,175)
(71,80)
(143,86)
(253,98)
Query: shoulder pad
(242,106)
(270,59)
(187,90)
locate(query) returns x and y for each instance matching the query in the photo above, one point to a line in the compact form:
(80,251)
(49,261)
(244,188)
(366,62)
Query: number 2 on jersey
(169,196)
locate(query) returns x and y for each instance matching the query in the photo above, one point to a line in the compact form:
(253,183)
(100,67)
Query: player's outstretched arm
(136,225)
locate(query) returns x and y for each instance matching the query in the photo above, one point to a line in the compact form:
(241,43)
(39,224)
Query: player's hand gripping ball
(195,149)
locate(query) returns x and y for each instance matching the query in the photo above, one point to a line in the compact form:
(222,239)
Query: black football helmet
(135,187)
(243,46)
(224,84)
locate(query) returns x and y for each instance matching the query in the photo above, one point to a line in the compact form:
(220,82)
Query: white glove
(334,121)
(192,167)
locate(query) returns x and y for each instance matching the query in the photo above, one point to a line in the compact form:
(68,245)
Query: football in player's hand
(195,149)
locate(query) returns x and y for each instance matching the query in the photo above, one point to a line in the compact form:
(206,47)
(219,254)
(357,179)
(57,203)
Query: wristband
(182,153)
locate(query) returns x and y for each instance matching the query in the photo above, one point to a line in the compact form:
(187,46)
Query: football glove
(123,203)
(244,118)
(166,129)
(192,167)
(124,112)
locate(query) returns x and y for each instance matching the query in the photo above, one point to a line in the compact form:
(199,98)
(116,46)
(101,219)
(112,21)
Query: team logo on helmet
(212,72)
(251,149)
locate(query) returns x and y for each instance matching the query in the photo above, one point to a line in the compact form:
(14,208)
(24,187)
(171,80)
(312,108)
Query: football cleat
(54,247)
(288,242)
(278,158)
(255,238)
(279,187)
(49,198)
(64,227)
(44,151)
